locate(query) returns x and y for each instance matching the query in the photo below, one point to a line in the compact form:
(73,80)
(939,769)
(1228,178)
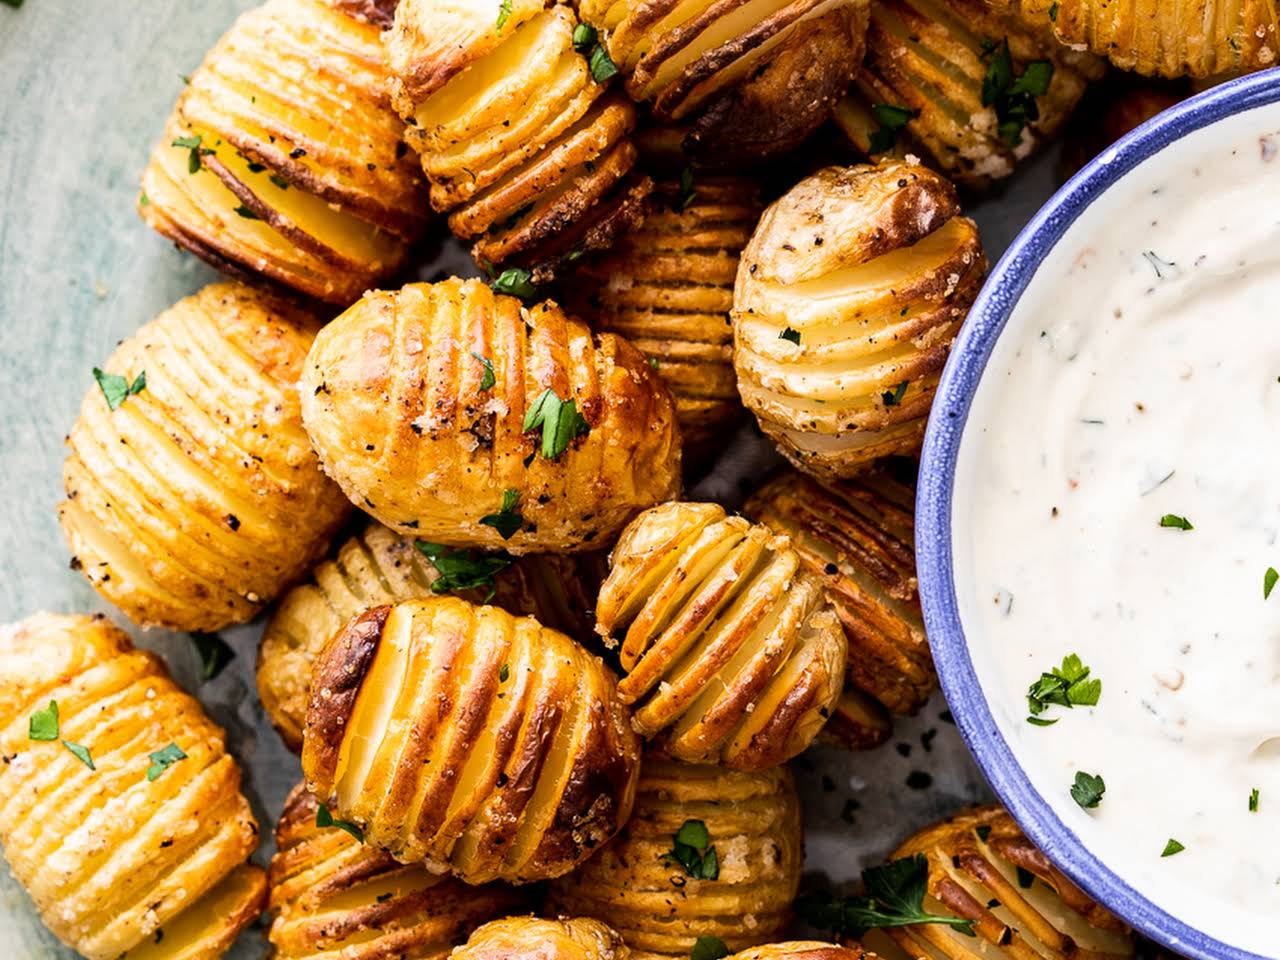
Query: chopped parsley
(279,181)
(326,819)
(463,569)
(1053,12)
(1175,521)
(245,212)
(895,898)
(1269,582)
(983,832)
(708,948)
(193,143)
(43,724)
(560,421)
(1172,847)
(214,652)
(1253,800)
(602,65)
(790,334)
(1066,686)
(504,14)
(894,398)
(1088,790)
(81,753)
(487,379)
(515,282)
(584,38)
(892,119)
(687,192)
(1014,95)
(162,760)
(504,672)
(691,848)
(508,520)
(12,3)
(117,388)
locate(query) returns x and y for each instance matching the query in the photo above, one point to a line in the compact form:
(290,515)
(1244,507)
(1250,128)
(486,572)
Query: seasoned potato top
(528,938)
(461,417)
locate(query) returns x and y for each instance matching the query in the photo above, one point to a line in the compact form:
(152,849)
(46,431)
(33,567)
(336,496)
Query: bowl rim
(960,378)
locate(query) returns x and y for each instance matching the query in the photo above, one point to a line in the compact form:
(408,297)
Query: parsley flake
(790,334)
(508,520)
(463,569)
(214,652)
(117,388)
(1014,95)
(1254,796)
(892,119)
(602,65)
(504,14)
(894,398)
(487,379)
(1175,521)
(691,848)
(1088,790)
(1053,12)
(193,143)
(1269,582)
(81,753)
(326,819)
(584,38)
(1172,847)
(1067,686)
(279,181)
(560,421)
(162,760)
(245,212)
(515,282)
(43,724)
(687,192)
(15,4)
(504,672)
(895,898)
(708,948)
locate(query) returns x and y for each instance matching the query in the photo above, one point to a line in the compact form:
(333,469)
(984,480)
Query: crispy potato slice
(753,824)
(805,950)
(528,938)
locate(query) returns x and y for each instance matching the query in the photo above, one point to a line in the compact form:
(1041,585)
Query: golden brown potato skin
(198,499)
(847,299)
(1201,38)
(804,950)
(377,567)
(752,88)
(527,152)
(1051,918)
(753,822)
(928,56)
(392,399)
(331,893)
(106,882)
(858,537)
(528,938)
(667,287)
(510,756)
(731,653)
(304,177)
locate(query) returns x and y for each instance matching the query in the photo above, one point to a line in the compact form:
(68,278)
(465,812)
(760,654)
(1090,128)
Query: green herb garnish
(508,520)
(504,14)
(116,388)
(515,282)
(1269,582)
(584,38)
(894,898)
(162,760)
(503,673)
(1014,95)
(709,948)
(194,163)
(1053,12)
(326,819)
(463,569)
(1088,790)
(1175,521)
(245,212)
(687,192)
(560,421)
(894,398)
(892,119)
(214,652)
(790,334)
(691,848)
(81,753)
(487,379)
(602,65)
(279,181)
(1066,686)
(43,724)
(1172,847)
(1253,800)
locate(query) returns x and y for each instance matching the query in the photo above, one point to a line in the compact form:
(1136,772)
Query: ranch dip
(1117,499)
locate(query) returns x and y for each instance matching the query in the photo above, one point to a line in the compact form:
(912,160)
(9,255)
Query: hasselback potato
(971,88)
(1202,38)
(847,299)
(735,881)
(804,950)
(193,496)
(120,809)
(459,416)
(470,739)
(376,567)
(334,896)
(753,80)
(667,287)
(858,538)
(528,938)
(983,868)
(284,157)
(732,653)
(524,145)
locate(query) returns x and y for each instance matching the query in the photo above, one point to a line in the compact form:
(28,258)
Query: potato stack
(526,148)
(284,158)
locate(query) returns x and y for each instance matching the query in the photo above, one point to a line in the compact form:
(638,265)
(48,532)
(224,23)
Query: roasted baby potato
(523,145)
(805,950)
(753,79)
(284,157)
(193,497)
(668,288)
(377,567)
(528,938)
(459,416)
(120,809)
(469,739)
(847,299)
(1200,39)
(973,90)
(334,896)
(982,868)
(732,652)
(735,882)
(858,538)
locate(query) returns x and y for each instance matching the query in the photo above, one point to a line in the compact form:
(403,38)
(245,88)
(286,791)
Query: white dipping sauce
(1138,377)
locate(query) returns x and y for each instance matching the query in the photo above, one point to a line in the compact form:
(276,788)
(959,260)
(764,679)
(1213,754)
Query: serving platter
(84,90)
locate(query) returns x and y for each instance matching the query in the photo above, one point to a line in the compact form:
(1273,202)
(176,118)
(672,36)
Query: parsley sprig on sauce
(1176,522)
(894,898)
(1087,790)
(1068,685)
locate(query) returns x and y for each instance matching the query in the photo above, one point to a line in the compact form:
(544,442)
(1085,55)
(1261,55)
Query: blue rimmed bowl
(1031,252)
